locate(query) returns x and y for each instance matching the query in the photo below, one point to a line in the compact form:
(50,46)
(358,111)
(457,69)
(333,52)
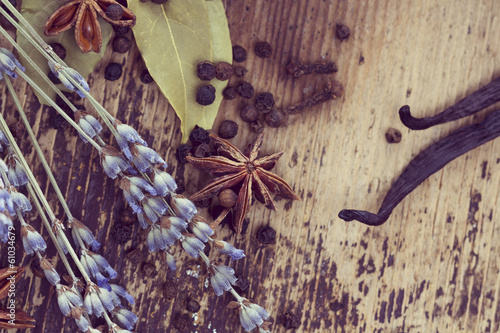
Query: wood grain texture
(433,267)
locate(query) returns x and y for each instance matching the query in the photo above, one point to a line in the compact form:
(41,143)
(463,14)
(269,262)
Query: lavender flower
(145,158)
(82,322)
(88,124)
(125,318)
(117,329)
(184,207)
(3,142)
(132,190)
(50,272)
(129,133)
(201,228)
(97,299)
(91,267)
(163,182)
(6,203)
(19,200)
(169,258)
(144,222)
(112,161)
(154,207)
(67,299)
(58,229)
(252,315)
(229,249)
(103,264)
(155,239)
(192,245)
(32,241)
(79,230)
(16,174)
(171,228)
(9,63)
(222,277)
(5,226)
(62,73)
(120,291)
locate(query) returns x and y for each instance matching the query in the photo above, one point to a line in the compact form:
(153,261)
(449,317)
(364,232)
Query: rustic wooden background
(433,267)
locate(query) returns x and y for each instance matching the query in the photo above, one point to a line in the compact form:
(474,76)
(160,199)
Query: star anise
(250,174)
(12,318)
(83,14)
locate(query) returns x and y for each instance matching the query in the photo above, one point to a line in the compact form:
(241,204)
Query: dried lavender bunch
(148,188)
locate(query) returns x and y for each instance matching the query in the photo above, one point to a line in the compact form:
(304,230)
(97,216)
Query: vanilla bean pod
(432,159)
(473,103)
(332,91)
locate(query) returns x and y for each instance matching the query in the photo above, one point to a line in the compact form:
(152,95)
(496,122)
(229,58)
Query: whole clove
(332,91)
(473,103)
(432,159)
(297,69)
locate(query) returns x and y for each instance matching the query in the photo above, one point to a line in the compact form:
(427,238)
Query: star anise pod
(250,174)
(12,318)
(83,14)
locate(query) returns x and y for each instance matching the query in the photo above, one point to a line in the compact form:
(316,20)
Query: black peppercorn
(393,135)
(264,102)
(240,71)
(275,118)
(224,71)
(241,285)
(146,77)
(257,126)
(245,89)
(198,136)
(113,71)
(249,113)
(192,306)
(114,12)
(169,290)
(121,233)
(183,322)
(290,321)
(343,31)
(266,235)
(239,53)
(135,256)
(121,44)
(205,95)
(59,50)
(205,71)
(229,93)
(200,151)
(181,153)
(121,30)
(53,78)
(149,269)
(263,50)
(228,129)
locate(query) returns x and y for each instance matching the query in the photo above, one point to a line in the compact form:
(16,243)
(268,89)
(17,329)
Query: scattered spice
(471,104)
(275,118)
(58,49)
(121,233)
(257,126)
(136,257)
(169,290)
(242,284)
(205,95)
(201,150)
(229,93)
(290,321)
(205,71)
(263,50)
(149,269)
(264,102)
(121,30)
(245,89)
(146,78)
(114,11)
(252,173)
(266,235)
(227,198)
(192,305)
(343,31)
(121,44)
(239,53)
(224,71)
(182,152)
(249,113)
(198,136)
(240,71)
(183,322)
(113,71)
(228,129)
(430,160)
(393,135)
(297,69)
(332,91)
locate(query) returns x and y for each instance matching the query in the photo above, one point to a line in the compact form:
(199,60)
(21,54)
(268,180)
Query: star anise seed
(251,174)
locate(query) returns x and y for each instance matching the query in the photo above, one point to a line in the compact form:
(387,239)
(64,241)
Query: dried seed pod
(275,118)
(227,198)
(228,129)
(249,113)
(205,71)
(224,71)
(245,89)
(263,50)
(229,93)
(121,44)
(205,95)
(240,71)
(264,102)
(239,53)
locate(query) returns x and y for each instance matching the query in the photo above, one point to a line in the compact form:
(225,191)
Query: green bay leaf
(37,12)
(173,38)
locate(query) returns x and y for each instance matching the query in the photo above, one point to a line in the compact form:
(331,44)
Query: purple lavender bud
(67,299)
(9,63)
(192,245)
(154,207)
(50,272)
(82,323)
(201,229)
(64,73)
(3,142)
(125,318)
(107,299)
(222,277)
(252,315)
(103,264)
(120,291)
(58,229)
(16,174)
(169,258)
(6,201)
(163,182)
(155,239)
(171,229)
(78,229)
(144,222)
(113,162)
(124,146)
(5,226)
(129,133)
(32,241)
(19,200)
(88,124)
(92,302)
(184,207)
(144,158)
(228,249)
(138,183)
